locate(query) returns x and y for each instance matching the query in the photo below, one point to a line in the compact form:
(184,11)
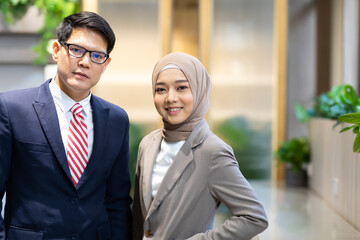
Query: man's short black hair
(87,20)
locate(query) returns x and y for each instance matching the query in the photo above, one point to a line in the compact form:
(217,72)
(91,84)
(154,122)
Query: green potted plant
(295,154)
(353,118)
(340,100)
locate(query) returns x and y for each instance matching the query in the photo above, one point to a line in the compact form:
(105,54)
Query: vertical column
(301,62)
(186,27)
(323,46)
(280,53)
(337,24)
(90,5)
(351,43)
(166,23)
(205,31)
(205,36)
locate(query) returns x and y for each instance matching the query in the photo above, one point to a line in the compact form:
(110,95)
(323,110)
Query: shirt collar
(65,102)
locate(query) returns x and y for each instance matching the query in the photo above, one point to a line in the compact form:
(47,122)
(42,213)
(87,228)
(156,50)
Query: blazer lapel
(181,161)
(148,165)
(45,109)
(100,119)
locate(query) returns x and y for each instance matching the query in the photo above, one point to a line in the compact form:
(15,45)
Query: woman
(184,171)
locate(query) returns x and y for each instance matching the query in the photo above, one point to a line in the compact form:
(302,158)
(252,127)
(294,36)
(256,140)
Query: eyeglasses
(78,52)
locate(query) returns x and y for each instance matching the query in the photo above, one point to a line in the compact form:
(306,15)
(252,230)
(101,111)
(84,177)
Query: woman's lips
(173,110)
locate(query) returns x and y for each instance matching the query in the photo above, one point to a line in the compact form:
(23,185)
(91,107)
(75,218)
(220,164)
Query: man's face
(76,76)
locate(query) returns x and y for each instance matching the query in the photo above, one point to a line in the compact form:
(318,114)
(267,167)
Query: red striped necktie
(77,143)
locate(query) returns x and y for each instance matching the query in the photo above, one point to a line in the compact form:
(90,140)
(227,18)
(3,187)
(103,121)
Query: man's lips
(81,75)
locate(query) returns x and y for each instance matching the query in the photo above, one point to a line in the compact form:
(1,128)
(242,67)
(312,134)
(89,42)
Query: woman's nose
(171,96)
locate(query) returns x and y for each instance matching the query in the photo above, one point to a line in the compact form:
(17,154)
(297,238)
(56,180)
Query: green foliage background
(340,100)
(251,143)
(295,152)
(54,12)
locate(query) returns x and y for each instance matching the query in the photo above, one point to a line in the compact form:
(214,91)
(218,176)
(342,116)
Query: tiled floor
(298,214)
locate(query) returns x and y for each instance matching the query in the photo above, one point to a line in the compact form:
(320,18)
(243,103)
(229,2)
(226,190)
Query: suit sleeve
(229,186)
(5,156)
(117,198)
(138,218)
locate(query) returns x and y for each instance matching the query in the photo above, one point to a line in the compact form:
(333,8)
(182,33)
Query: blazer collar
(45,108)
(176,169)
(148,165)
(46,111)
(101,132)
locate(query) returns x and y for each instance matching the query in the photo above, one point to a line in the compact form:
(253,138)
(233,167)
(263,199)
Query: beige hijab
(200,85)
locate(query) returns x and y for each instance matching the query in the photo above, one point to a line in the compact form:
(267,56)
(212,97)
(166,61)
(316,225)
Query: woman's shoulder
(213,146)
(150,137)
(214,142)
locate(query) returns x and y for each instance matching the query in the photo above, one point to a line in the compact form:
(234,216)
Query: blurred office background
(264,56)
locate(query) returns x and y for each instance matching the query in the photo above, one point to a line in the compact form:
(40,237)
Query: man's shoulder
(19,94)
(108,105)
(105,103)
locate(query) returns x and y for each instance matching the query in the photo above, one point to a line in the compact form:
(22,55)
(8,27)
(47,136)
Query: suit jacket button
(75,236)
(75,201)
(148,234)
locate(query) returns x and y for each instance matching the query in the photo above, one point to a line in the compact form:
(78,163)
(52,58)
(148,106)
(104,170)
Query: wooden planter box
(334,172)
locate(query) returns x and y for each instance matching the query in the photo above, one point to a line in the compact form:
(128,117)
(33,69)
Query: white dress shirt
(168,151)
(63,103)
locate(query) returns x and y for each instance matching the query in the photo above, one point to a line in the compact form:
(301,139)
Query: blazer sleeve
(228,185)
(117,199)
(138,218)
(5,155)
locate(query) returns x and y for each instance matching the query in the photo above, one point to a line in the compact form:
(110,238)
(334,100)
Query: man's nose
(85,60)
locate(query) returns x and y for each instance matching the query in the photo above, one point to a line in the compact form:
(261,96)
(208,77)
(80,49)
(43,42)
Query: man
(63,151)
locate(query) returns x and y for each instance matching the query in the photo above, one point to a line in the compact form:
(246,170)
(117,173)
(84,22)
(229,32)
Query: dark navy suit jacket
(41,200)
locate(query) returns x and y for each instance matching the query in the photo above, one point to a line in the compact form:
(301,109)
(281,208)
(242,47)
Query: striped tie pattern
(77,143)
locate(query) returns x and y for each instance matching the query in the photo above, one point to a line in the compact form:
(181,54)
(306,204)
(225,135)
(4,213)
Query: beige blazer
(203,174)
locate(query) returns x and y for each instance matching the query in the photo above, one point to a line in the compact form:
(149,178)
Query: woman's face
(173,98)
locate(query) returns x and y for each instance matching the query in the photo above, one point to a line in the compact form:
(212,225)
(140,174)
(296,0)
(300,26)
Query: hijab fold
(200,85)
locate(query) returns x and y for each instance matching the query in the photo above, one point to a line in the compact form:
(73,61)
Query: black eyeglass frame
(70,44)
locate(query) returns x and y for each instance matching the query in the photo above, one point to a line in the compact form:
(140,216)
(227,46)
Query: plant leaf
(356,146)
(350,118)
(349,95)
(347,128)
(356,129)
(301,113)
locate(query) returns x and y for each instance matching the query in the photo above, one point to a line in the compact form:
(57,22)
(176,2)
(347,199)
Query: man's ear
(106,64)
(56,49)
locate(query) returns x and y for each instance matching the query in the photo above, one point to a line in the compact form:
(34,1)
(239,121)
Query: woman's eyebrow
(176,81)
(181,80)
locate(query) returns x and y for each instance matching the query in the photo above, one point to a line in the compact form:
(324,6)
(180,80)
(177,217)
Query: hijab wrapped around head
(200,85)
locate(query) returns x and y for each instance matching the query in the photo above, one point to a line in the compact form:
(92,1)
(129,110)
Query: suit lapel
(181,161)
(45,109)
(100,119)
(148,165)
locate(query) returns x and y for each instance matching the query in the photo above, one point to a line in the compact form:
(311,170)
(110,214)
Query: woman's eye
(160,90)
(182,87)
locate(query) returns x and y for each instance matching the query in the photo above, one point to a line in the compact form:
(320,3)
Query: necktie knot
(76,109)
